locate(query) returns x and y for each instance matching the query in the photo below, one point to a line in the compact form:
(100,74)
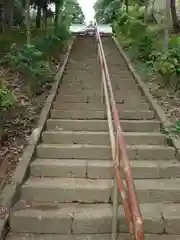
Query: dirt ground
(19,121)
(167,98)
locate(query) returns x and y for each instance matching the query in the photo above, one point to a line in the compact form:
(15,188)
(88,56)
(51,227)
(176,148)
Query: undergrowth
(34,62)
(174,131)
(143,42)
(7,99)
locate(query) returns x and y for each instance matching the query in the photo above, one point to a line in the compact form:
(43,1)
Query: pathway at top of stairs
(68,194)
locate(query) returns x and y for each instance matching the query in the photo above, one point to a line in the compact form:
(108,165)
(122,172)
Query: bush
(29,61)
(142,44)
(168,66)
(51,44)
(174,42)
(145,46)
(7,99)
(136,12)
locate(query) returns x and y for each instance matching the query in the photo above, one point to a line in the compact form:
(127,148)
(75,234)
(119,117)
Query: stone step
(92,169)
(92,93)
(78,114)
(120,84)
(77,98)
(80,151)
(121,236)
(102,125)
(96,95)
(123,73)
(73,151)
(73,79)
(86,98)
(67,190)
(79,87)
(99,107)
(100,114)
(101,138)
(93,219)
(96,190)
(97,92)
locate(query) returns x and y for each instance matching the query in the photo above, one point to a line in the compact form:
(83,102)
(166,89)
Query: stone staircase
(68,194)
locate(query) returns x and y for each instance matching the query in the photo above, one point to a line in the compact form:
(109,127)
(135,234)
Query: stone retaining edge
(11,192)
(165,123)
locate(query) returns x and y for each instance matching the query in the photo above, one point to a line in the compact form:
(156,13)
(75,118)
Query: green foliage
(141,44)
(177,127)
(173,131)
(62,30)
(135,12)
(145,46)
(106,11)
(7,38)
(174,41)
(168,66)
(143,41)
(7,99)
(29,61)
(72,8)
(51,44)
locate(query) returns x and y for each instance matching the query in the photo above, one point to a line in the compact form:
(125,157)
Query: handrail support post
(102,91)
(115,211)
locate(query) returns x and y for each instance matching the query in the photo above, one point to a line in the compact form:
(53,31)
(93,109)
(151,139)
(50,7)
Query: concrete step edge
(93,169)
(79,146)
(100,121)
(157,219)
(121,236)
(83,183)
(156,134)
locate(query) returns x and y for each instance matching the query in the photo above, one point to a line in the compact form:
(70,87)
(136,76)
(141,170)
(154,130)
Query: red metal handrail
(119,152)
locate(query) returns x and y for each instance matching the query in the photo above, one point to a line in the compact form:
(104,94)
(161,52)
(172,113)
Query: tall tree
(106,10)
(58,7)
(127,5)
(146,10)
(38,15)
(45,13)
(74,11)
(8,7)
(1,16)
(28,23)
(174,16)
(167,20)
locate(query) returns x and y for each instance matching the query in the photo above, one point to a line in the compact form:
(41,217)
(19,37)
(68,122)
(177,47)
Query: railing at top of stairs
(120,158)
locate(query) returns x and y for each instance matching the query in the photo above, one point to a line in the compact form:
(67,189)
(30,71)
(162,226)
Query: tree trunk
(166,25)
(57,6)
(146,10)
(127,5)
(44,18)
(28,23)
(1,16)
(8,15)
(38,16)
(176,25)
(45,15)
